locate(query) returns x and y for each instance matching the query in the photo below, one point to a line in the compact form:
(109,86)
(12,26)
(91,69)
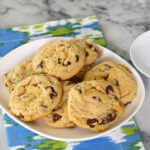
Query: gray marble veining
(121,21)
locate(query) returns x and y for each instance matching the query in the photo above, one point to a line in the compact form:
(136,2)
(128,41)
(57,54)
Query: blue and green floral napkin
(19,138)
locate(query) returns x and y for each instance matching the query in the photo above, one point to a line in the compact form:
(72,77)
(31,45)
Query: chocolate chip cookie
(35,96)
(20,72)
(62,59)
(92,105)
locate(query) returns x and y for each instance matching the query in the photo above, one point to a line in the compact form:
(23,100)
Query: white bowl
(77,134)
(140,53)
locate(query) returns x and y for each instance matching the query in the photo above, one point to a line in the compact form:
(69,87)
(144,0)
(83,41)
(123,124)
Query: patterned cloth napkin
(19,138)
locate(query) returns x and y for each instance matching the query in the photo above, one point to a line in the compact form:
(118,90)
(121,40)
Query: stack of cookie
(60,86)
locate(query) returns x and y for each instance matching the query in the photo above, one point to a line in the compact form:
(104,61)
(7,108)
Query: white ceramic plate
(77,134)
(140,53)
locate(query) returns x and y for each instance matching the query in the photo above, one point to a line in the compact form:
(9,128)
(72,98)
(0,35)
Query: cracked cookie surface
(62,59)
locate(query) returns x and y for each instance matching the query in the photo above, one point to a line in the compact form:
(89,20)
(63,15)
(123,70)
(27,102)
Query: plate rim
(100,134)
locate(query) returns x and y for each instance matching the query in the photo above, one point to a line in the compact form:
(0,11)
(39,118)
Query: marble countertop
(122,21)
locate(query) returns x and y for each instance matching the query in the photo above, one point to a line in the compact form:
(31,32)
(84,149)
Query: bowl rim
(131,54)
(83,138)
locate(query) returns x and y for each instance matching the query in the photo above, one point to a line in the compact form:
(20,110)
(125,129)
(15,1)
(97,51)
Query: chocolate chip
(77,58)
(110,117)
(79,91)
(95,49)
(53,95)
(127,103)
(86,54)
(20,115)
(66,64)
(59,79)
(96,98)
(106,77)
(40,65)
(44,106)
(6,85)
(109,89)
(116,82)
(52,89)
(90,45)
(53,110)
(90,122)
(59,61)
(56,117)
(116,98)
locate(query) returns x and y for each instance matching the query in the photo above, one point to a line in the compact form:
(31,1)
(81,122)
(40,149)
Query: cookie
(119,74)
(35,96)
(92,51)
(21,71)
(58,118)
(92,105)
(62,59)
